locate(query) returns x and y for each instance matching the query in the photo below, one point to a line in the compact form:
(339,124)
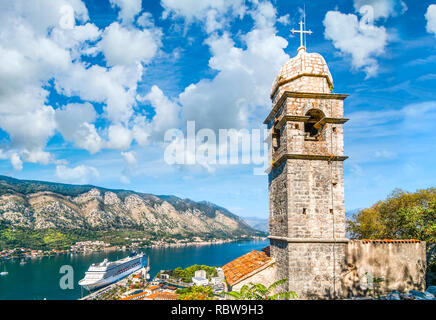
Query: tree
(260,292)
(403,215)
(195,293)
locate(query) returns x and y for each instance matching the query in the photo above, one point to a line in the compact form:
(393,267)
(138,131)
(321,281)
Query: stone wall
(315,269)
(310,203)
(400,264)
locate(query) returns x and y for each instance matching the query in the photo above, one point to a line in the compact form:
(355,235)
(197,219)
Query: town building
(199,278)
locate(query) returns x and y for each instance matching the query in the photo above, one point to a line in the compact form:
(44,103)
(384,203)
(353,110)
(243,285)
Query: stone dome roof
(303,64)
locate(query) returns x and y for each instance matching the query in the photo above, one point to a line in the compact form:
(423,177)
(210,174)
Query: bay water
(39,278)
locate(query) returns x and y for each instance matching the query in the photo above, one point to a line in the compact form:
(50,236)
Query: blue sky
(88,89)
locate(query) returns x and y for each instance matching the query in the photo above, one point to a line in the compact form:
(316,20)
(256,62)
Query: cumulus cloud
(16,162)
(239,92)
(285,20)
(382,8)
(167,111)
(430,15)
(75,123)
(141,130)
(119,137)
(36,156)
(362,44)
(123,46)
(115,87)
(362,39)
(145,20)
(214,15)
(128,9)
(42,48)
(81,174)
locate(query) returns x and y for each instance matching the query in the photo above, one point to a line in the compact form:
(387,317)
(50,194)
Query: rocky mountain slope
(261,224)
(42,205)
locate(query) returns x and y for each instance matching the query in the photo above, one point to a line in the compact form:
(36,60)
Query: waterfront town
(95,246)
(163,287)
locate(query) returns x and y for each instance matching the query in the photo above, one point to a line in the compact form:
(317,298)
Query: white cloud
(362,39)
(81,174)
(40,15)
(285,20)
(126,46)
(44,42)
(29,130)
(167,112)
(362,44)
(36,156)
(141,130)
(146,20)
(430,15)
(75,122)
(416,118)
(16,162)
(130,164)
(128,9)
(116,87)
(214,15)
(129,158)
(382,8)
(238,94)
(119,137)
(78,39)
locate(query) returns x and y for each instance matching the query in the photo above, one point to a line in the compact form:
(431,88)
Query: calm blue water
(39,278)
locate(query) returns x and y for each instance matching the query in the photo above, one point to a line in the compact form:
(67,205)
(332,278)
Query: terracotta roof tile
(162,296)
(242,266)
(138,295)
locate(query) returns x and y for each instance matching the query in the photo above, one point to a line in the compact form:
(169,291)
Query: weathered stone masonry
(306,189)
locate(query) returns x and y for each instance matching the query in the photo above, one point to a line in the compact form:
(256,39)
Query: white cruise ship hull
(90,283)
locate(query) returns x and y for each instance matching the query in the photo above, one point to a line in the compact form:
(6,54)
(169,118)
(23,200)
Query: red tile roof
(135,296)
(153,288)
(162,296)
(244,265)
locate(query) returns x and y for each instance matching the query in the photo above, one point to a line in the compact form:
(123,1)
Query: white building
(199,278)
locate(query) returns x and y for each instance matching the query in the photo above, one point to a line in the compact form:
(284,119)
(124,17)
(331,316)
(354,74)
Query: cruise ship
(104,273)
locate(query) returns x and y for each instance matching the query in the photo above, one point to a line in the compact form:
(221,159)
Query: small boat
(4,272)
(22,263)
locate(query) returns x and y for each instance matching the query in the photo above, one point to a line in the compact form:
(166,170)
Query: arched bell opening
(314,125)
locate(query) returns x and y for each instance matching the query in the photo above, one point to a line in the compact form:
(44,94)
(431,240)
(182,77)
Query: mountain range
(261,224)
(46,205)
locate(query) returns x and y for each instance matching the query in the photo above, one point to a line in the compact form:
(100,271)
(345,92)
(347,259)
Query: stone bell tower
(306,181)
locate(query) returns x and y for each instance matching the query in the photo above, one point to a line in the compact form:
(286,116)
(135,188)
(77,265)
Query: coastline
(28,254)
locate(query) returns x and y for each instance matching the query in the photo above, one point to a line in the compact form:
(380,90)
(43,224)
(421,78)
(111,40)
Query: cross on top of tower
(301,32)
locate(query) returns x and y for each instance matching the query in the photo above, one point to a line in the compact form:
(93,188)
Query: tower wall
(306,181)
(306,196)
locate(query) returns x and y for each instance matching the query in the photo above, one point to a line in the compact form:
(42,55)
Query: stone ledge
(306,119)
(307,95)
(307,157)
(309,240)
